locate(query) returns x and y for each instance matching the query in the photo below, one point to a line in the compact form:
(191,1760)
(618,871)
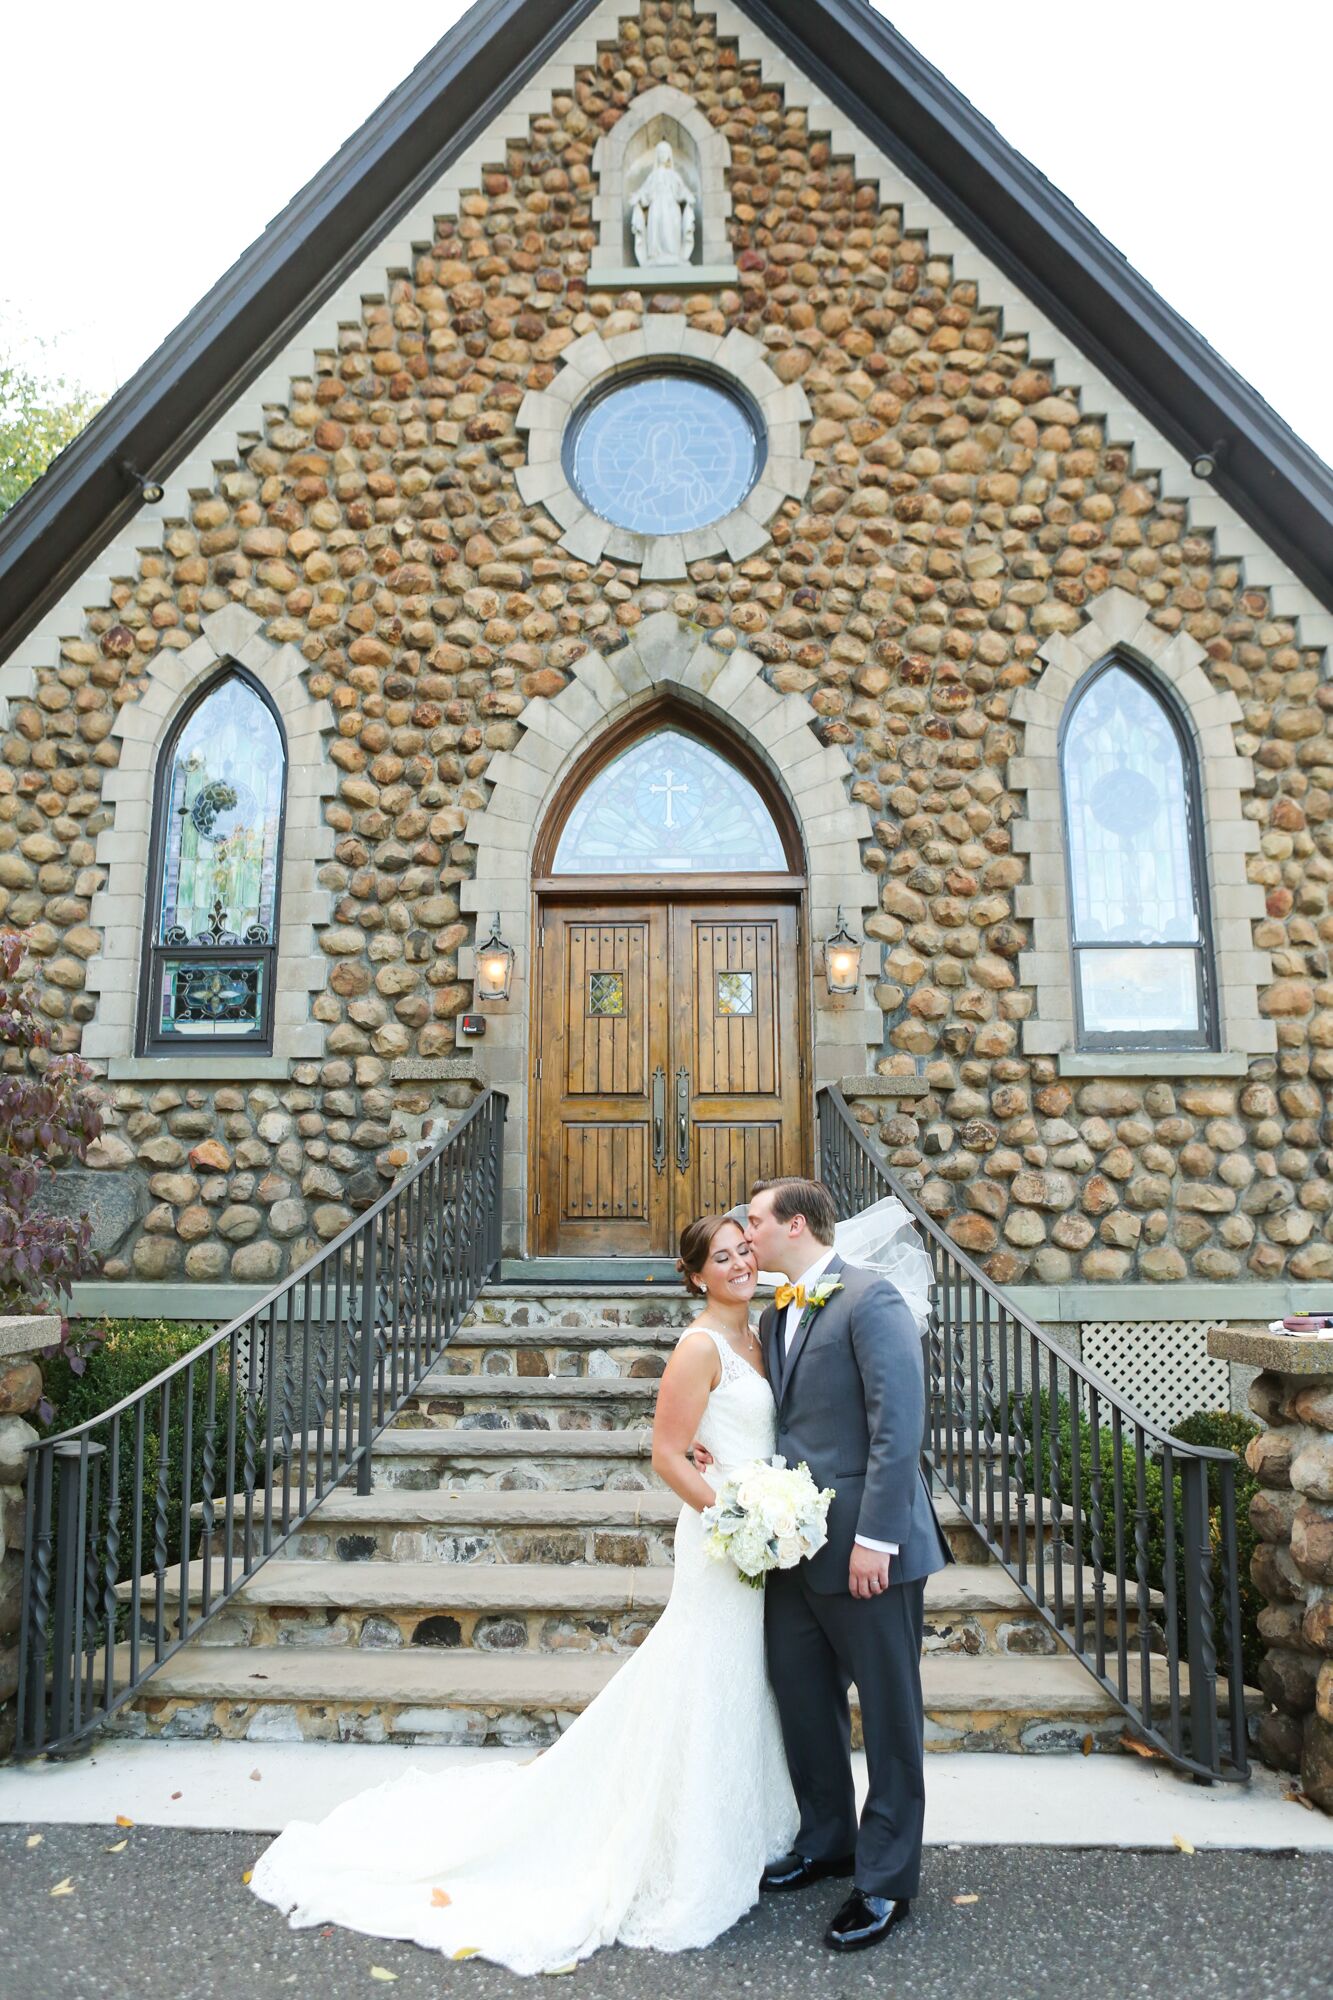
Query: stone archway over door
(664,656)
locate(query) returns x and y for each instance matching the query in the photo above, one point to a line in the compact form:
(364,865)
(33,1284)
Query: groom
(843,1356)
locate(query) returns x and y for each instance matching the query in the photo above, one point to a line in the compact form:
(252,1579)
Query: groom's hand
(869,1572)
(702,1459)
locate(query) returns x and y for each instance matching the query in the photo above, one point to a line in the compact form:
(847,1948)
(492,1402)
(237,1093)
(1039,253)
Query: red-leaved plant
(48,1118)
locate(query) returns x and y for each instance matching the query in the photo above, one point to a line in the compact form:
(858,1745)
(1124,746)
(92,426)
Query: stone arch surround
(232,633)
(664,655)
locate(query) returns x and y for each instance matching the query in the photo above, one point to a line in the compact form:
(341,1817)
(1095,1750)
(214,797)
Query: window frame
(148,1042)
(1203,1039)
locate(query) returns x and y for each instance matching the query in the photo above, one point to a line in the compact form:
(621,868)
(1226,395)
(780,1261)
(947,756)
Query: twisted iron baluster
(988,1410)
(160,1522)
(959,1384)
(1141,1572)
(1098,1524)
(1019,1427)
(249,1455)
(1057,1499)
(111,1565)
(207,1472)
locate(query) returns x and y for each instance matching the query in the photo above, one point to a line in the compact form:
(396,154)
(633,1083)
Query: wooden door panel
(736,988)
(736,1012)
(602,1032)
(604,1172)
(731,1158)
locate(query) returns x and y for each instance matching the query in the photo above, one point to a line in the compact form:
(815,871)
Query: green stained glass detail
(606,992)
(669,805)
(735,993)
(220,830)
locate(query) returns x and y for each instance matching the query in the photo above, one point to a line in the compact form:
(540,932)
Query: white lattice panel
(1162,1366)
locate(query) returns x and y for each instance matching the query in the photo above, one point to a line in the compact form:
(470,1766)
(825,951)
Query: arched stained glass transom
(1136,884)
(212,929)
(669,805)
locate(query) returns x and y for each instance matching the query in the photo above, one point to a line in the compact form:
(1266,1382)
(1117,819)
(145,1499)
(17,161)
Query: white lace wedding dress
(648,1822)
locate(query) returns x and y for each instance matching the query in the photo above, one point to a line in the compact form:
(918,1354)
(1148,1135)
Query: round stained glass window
(664,453)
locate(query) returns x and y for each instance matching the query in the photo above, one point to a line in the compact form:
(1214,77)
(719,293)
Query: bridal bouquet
(769,1515)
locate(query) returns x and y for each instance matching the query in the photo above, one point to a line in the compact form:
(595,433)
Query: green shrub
(1219,1428)
(132,1353)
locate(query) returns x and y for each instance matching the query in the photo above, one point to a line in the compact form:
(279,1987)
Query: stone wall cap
(883,1086)
(1279,1353)
(28,1333)
(427,1069)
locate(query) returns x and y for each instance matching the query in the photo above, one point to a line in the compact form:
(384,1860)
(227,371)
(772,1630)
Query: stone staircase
(516,1547)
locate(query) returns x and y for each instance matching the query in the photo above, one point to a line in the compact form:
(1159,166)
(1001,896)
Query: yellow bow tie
(787,1295)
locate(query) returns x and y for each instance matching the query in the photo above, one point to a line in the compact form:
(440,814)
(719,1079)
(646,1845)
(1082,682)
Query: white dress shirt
(811,1276)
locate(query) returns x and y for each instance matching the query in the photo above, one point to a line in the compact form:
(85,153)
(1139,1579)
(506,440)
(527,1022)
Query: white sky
(149,144)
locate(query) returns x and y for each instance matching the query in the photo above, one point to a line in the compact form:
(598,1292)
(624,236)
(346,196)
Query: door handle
(659,1121)
(682,1119)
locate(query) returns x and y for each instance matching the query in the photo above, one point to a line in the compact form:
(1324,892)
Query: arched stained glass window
(213,901)
(669,805)
(1136,885)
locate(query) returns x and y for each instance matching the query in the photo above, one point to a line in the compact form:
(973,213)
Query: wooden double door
(669,1067)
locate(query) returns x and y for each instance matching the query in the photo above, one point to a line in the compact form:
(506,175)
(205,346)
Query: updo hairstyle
(696,1240)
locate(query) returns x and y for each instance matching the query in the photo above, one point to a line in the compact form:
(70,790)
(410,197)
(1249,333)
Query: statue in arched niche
(662,213)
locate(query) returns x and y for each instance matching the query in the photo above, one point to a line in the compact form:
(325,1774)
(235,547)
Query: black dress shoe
(793,1871)
(863,1920)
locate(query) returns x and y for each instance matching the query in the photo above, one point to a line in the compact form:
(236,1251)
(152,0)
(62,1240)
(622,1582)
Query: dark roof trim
(912,113)
(60,525)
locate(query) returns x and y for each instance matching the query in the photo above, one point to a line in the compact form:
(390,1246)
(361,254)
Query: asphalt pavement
(168,1917)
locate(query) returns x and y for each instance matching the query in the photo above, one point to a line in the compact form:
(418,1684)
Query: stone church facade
(960,529)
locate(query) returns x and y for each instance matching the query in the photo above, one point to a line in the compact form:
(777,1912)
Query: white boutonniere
(820,1294)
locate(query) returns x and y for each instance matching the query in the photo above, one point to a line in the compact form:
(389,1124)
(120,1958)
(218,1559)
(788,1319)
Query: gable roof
(1050,251)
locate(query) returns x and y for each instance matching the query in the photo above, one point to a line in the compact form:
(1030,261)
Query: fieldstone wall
(22,1339)
(1292,1514)
(961,511)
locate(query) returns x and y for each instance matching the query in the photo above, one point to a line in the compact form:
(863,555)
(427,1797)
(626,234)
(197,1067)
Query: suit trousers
(818,1644)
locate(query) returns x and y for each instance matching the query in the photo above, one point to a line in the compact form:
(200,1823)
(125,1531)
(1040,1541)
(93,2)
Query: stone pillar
(22,1339)
(1293,1565)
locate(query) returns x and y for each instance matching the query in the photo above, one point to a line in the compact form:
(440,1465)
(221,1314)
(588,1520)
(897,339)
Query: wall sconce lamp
(842,959)
(495,965)
(150,490)
(1205,463)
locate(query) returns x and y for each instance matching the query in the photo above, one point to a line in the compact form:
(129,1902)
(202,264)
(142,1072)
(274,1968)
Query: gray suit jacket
(851,1399)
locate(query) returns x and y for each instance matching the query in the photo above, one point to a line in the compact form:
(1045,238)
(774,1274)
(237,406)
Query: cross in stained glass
(670,788)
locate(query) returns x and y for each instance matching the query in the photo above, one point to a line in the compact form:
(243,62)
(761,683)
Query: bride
(651,1819)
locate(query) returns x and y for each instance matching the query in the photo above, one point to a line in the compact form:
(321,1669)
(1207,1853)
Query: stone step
(428,1695)
(529,1402)
(570,1305)
(392,1524)
(435,1455)
(539,1350)
(555,1607)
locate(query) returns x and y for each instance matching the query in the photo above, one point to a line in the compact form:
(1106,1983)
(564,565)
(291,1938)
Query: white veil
(882,1239)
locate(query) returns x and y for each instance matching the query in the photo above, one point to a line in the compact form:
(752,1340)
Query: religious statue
(662,214)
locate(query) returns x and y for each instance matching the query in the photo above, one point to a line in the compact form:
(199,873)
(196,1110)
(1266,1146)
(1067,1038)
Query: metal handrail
(1015,1421)
(257,1423)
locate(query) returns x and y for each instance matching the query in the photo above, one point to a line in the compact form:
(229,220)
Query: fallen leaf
(1295,1796)
(122,1821)
(967,1899)
(65,1888)
(119,1847)
(440,1899)
(1140,1749)
(248,1875)
(382,1972)
(1086,1746)
(465,1951)
(1185,1846)
(556,1970)
(35,1839)
(256,1777)
(175,1795)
